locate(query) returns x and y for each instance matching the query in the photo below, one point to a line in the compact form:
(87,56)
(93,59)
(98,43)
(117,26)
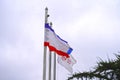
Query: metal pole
(50,60)
(45,48)
(44,63)
(54,74)
(46,15)
(54,64)
(49,78)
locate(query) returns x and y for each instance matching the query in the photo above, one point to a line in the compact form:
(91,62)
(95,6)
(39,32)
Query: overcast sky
(92,28)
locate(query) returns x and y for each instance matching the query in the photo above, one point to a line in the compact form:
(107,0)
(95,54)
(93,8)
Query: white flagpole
(45,48)
(50,60)
(54,63)
(54,68)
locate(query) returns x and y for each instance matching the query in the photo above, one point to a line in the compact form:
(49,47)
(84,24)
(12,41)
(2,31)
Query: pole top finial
(46,15)
(46,8)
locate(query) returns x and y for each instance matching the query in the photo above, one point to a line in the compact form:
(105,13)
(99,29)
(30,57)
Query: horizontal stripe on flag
(52,48)
(47,26)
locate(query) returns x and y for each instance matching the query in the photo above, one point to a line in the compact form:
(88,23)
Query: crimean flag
(55,43)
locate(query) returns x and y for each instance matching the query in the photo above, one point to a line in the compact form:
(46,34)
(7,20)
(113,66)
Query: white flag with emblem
(67,62)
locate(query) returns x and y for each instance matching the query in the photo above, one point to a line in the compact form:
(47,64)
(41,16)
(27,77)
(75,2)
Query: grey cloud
(21,34)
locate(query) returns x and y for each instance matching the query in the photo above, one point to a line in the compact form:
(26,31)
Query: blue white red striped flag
(55,43)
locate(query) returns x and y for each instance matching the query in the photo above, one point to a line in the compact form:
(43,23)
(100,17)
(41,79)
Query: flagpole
(50,60)
(49,78)
(54,72)
(45,48)
(54,62)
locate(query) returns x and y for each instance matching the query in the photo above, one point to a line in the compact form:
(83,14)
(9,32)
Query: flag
(55,43)
(67,63)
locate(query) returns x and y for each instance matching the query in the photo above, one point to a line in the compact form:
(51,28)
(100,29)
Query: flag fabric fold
(55,43)
(67,63)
